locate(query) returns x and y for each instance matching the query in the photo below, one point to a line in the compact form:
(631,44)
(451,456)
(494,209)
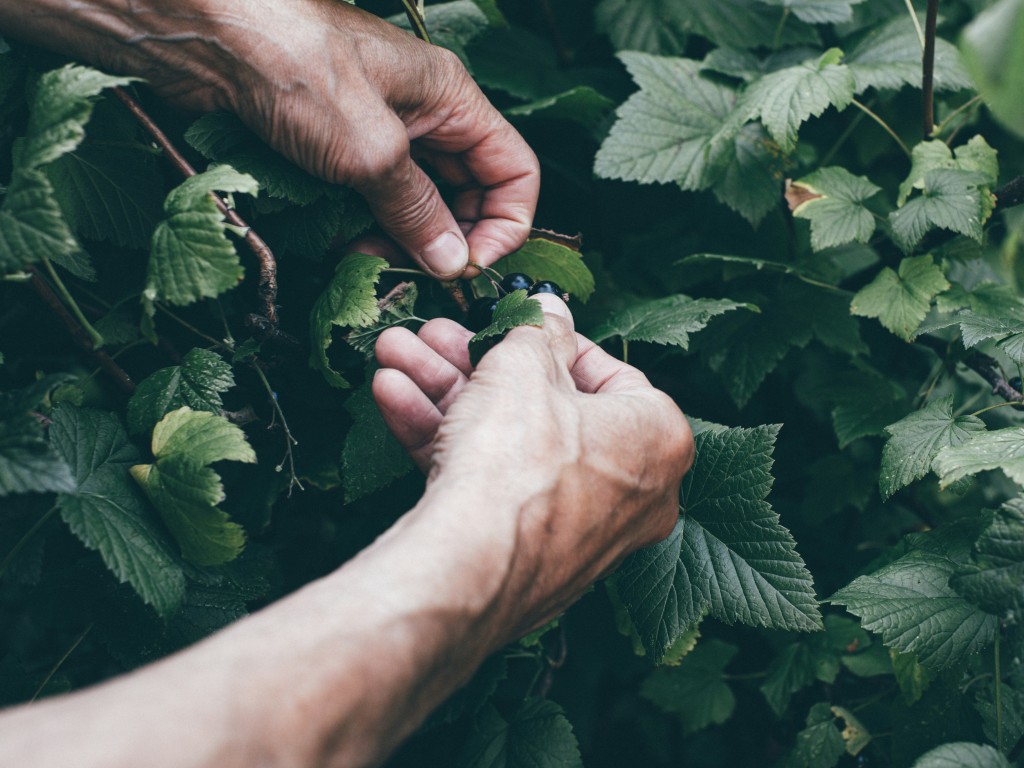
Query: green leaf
(695,691)
(396,308)
(816,657)
(901,301)
(916,439)
(911,605)
(191,257)
(670,320)
(962,754)
(750,181)
(889,57)
(106,510)
(27,463)
(728,555)
(976,155)
(372,457)
(820,744)
(104,187)
(818,11)
(836,207)
(993,49)
(451,25)
(545,259)
(1008,717)
(350,299)
(951,200)
(912,678)
(536,736)
(581,104)
(197,382)
(185,491)
(31,224)
(865,403)
(994,580)
(676,128)
(511,311)
(1000,449)
(518,62)
(785,99)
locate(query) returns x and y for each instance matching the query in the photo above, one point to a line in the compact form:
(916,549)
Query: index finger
(595,371)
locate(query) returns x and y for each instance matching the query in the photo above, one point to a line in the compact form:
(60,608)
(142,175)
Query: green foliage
(512,310)
(766,231)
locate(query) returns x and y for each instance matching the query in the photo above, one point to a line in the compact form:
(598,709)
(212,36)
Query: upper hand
(559,458)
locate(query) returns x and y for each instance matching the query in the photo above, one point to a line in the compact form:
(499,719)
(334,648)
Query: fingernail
(554,306)
(446,256)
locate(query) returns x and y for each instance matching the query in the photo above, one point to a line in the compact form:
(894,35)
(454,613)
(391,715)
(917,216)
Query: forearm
(334,675)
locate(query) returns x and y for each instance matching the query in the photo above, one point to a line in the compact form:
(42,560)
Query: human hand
(557,458)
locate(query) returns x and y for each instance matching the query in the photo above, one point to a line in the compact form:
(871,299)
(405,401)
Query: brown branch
(81,338)
(265,256)
(928,69)
(985,366)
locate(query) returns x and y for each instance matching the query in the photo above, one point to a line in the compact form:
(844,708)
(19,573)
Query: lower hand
(558,458)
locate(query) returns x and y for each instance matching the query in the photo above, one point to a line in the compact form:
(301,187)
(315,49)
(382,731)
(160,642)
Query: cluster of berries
(482,310)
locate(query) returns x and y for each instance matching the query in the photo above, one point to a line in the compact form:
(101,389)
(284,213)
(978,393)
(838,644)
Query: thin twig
(36,526)
(61,660)
(917,22)
(105,361)
(884,125)
(928,69)
(265,256)
(415,16)
(983,365)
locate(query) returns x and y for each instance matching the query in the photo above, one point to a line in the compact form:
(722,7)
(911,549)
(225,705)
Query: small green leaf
(191,256)
(820,744)
(185,491)
(728,556)
(994,579)
(537,736)
(512,310)
(785,99)
(544,259)
(396,308)
(670,320)
(836,210)
(31,224)
(1000,449)
(952,199)
(976,155)
(910,603)
(349,300)
(695,691)
(106,510)
(27,463)
(916,439)
(901,301)
(372,457)
(197,382)
(962,754)
(912,678)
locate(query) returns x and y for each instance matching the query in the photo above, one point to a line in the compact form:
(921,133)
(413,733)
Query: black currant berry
(546,286)
(516,281)
(480,313)
(1016,383)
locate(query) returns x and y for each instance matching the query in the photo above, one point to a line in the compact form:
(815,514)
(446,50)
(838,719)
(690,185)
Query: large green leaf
(993,48)
(544,259)
(674,129)
(901,301)
(915,440)
(818,11)
(889,57)
(728,555)
(835,207)
(785,99)
(951,199)
(191,257)
(537,735)
(372,457)
(670,320)
(695,691)
(580,104)
(31,224)
(1000,449)
(995,578)
(976,155)
(197,382)
(350,299)
(911,605)
(186,491)
(106,510)
(27,462)
(962,754)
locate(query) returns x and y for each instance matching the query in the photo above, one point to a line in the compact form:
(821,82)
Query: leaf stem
(185,324)
(414,12)
(9,557)
(847,132)
(625,350)
(928,69)
(884,125)
(289,439)
(991,407)
(777,39)
(972,102)
(406,271)
(69,301)
(917,22)
(61,660)
(999,697)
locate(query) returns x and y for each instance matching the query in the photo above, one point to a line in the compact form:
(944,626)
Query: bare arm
(340,92)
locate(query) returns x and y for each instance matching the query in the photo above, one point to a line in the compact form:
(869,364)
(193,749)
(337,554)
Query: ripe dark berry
(480,313)
(546,286)
(516,281)
(1015,382)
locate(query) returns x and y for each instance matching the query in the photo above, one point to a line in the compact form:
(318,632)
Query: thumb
(554,341)
(407,205)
